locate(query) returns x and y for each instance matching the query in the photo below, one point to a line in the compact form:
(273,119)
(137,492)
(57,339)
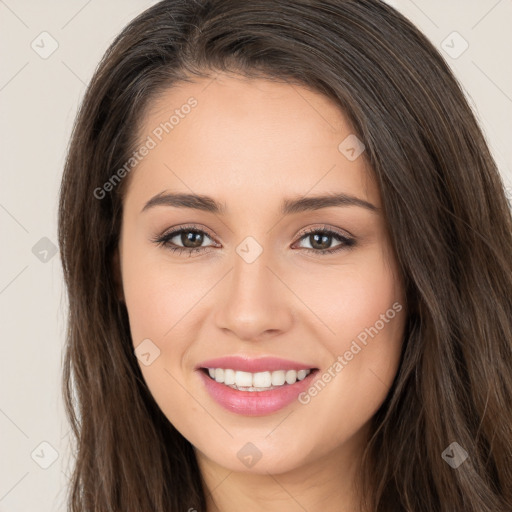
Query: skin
(249,144)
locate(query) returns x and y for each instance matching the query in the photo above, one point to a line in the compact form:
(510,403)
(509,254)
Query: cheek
(365,298)
(154,302)
(368,320)
(156,296)
(363,306)
(157,301)
(351,297)
(162,304)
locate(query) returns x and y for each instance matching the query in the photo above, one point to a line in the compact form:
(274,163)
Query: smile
(260,381)
(254,387)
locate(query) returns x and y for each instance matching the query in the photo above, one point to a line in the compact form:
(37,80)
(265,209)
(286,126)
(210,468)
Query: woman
(214,361)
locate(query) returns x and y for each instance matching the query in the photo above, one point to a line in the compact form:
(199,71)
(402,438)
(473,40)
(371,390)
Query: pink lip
(254,403)
(246,364)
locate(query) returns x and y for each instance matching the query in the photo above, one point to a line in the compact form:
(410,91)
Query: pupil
(194,237)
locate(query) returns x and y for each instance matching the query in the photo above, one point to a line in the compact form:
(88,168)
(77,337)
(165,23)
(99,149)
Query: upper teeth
(257,380)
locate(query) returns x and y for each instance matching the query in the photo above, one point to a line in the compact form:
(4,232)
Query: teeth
(278,378)
(243,379)
(260,381)
(229,377)
(301,374)
(290,377)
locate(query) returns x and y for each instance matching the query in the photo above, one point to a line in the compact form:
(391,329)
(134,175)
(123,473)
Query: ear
(116,273)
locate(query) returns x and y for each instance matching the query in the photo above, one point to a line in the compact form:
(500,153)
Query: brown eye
(190,239)
(184,239)
(321,240)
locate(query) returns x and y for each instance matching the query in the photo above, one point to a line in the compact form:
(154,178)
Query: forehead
(227,134)
(239,96)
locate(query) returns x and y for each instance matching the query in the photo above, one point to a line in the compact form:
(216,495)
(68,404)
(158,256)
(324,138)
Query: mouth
(259,381)
(256,393)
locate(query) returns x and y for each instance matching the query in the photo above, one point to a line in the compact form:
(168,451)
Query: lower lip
(255,403)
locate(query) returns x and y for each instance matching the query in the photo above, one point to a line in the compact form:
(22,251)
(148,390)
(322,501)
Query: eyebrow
(289,206)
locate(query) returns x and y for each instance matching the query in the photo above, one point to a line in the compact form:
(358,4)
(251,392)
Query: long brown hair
(448,217)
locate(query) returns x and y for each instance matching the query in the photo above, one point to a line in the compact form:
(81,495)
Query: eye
(320,240)
(190,239)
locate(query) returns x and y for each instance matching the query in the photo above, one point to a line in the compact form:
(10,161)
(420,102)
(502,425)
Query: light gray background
(38,102)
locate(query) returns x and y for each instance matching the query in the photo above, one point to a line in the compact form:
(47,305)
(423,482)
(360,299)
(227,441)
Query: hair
(445,208)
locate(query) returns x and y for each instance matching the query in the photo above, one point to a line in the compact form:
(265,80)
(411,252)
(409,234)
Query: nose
(253,302)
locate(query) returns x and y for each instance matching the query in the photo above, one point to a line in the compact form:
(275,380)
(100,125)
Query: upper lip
(252,365)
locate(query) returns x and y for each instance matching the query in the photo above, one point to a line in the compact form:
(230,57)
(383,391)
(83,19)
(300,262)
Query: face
(260,271)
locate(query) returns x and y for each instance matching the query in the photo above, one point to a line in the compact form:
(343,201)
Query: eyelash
(165,239)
